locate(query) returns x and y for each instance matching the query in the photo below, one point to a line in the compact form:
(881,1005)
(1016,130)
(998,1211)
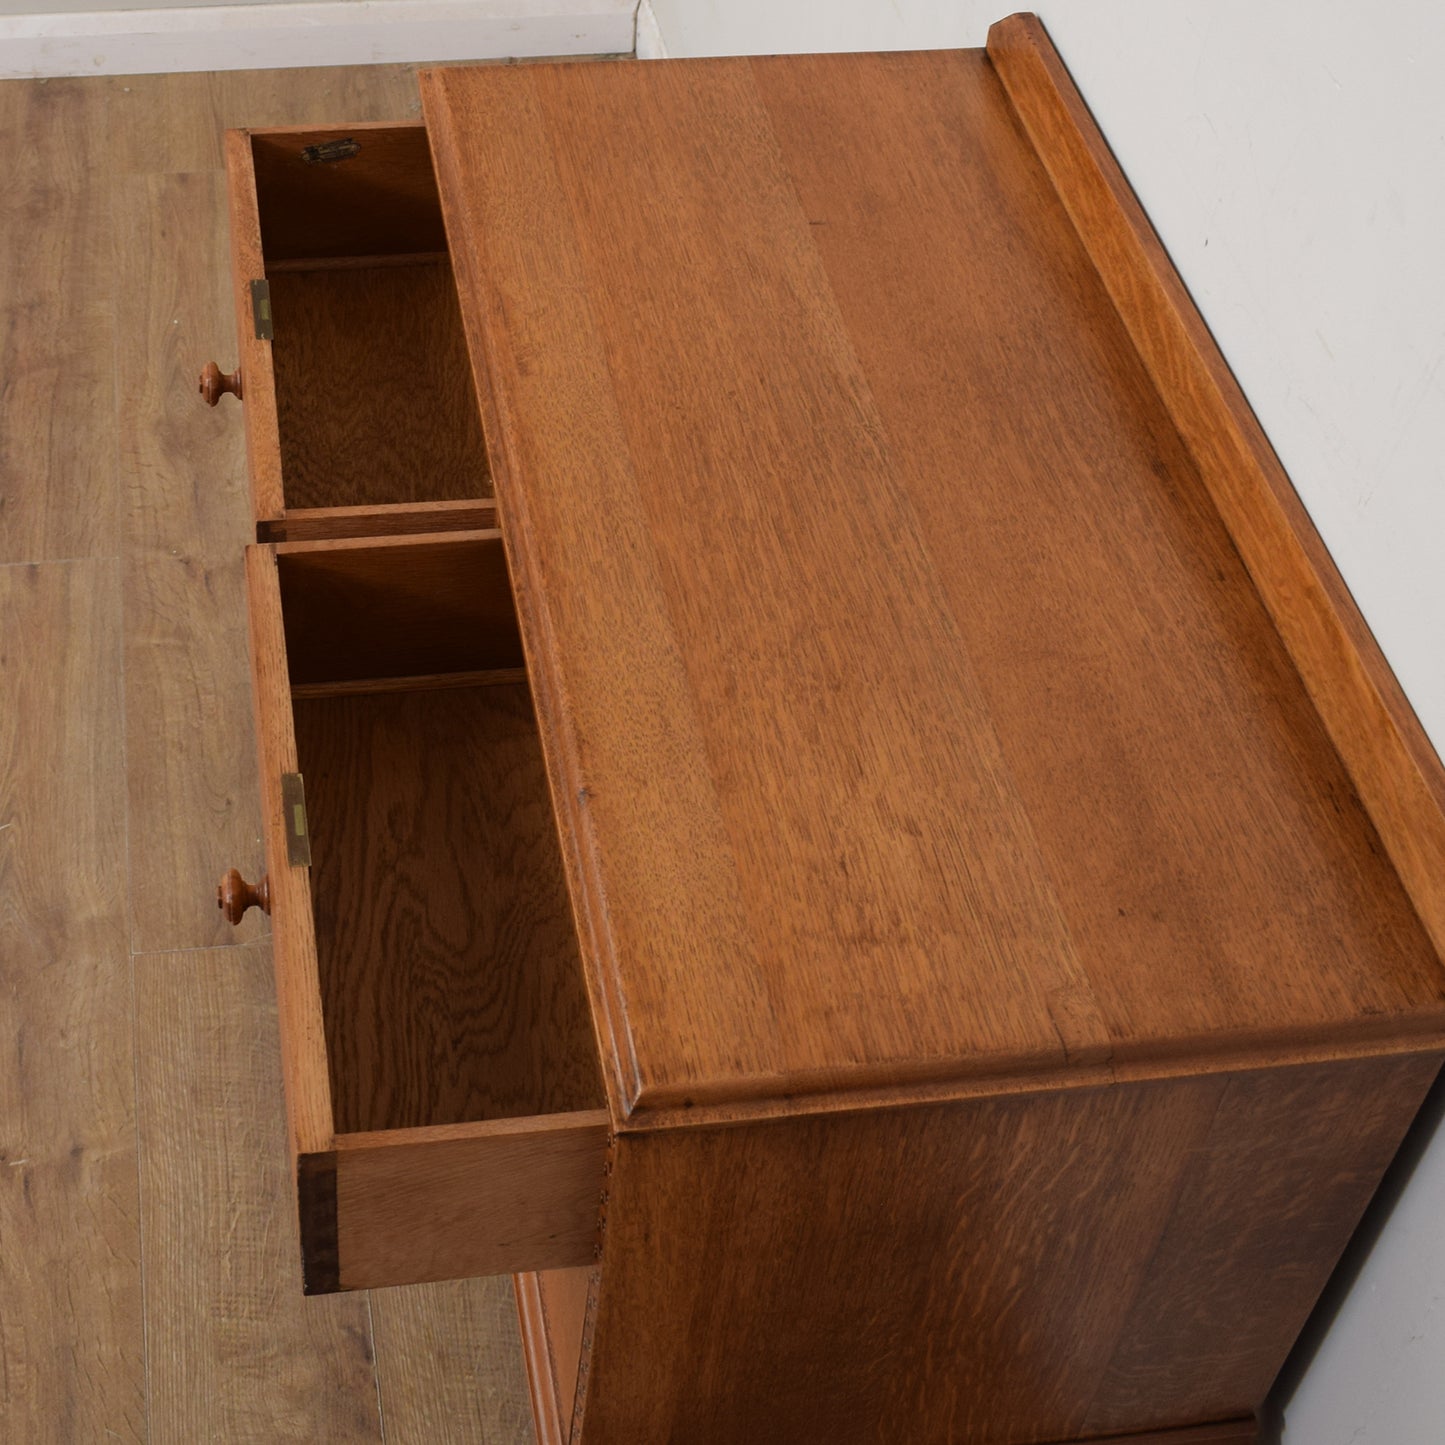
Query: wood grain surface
(177,123)
(1231,1432)
(188,742)
(552,1306)
(449,1364)
(1270,1196)
(374,395)
(383,519)
(72,1355)
(238,1352)
(469,1199)
(1007,773)
(993,1271)
(59,480)
(253,352)
(426,682)
(300,1021)
(189,746)
(1369,719)
(364,395)
(566,1296)
(370,608)
(550,1414)
(183,474)
(449,972)
(383,199)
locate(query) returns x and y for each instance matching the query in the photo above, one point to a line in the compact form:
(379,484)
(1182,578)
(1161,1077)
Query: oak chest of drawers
(827,809)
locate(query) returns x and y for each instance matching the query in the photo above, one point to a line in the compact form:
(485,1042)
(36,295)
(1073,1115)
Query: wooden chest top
(917,715)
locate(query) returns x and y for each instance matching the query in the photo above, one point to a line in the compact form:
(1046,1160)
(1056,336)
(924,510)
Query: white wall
(1292,156)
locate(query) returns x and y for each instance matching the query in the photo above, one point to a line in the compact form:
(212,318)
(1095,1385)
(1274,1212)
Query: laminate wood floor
(149,1268)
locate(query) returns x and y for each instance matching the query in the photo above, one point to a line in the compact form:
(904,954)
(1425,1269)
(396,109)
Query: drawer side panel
(293,933)
(263,447)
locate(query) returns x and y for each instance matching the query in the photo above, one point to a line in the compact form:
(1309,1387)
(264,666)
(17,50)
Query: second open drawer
(444,1092)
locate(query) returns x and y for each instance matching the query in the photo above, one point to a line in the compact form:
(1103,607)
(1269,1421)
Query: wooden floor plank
(113,292)
(236,1351)
(71,1359)
(449,1365)
(57,453)
(189,749)
(191,758)
(183,463)
(167,123)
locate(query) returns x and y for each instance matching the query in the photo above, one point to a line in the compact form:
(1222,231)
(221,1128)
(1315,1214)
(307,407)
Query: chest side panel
(999,1271)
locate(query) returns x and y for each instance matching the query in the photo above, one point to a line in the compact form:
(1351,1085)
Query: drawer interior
(450,979)
(373,384)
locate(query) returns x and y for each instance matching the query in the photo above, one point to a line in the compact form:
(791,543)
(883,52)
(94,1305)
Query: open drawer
(361,418)
(443,1085)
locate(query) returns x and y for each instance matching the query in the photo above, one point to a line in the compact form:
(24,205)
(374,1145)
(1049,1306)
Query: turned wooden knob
(215,383)
(234,896)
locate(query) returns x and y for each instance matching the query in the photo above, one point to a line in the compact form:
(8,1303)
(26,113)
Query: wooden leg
(553,1426)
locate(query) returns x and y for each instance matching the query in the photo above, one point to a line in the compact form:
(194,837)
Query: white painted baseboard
(316,32)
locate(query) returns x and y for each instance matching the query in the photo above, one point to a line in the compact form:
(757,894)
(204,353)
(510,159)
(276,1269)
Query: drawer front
(443,1091)
(361,418)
